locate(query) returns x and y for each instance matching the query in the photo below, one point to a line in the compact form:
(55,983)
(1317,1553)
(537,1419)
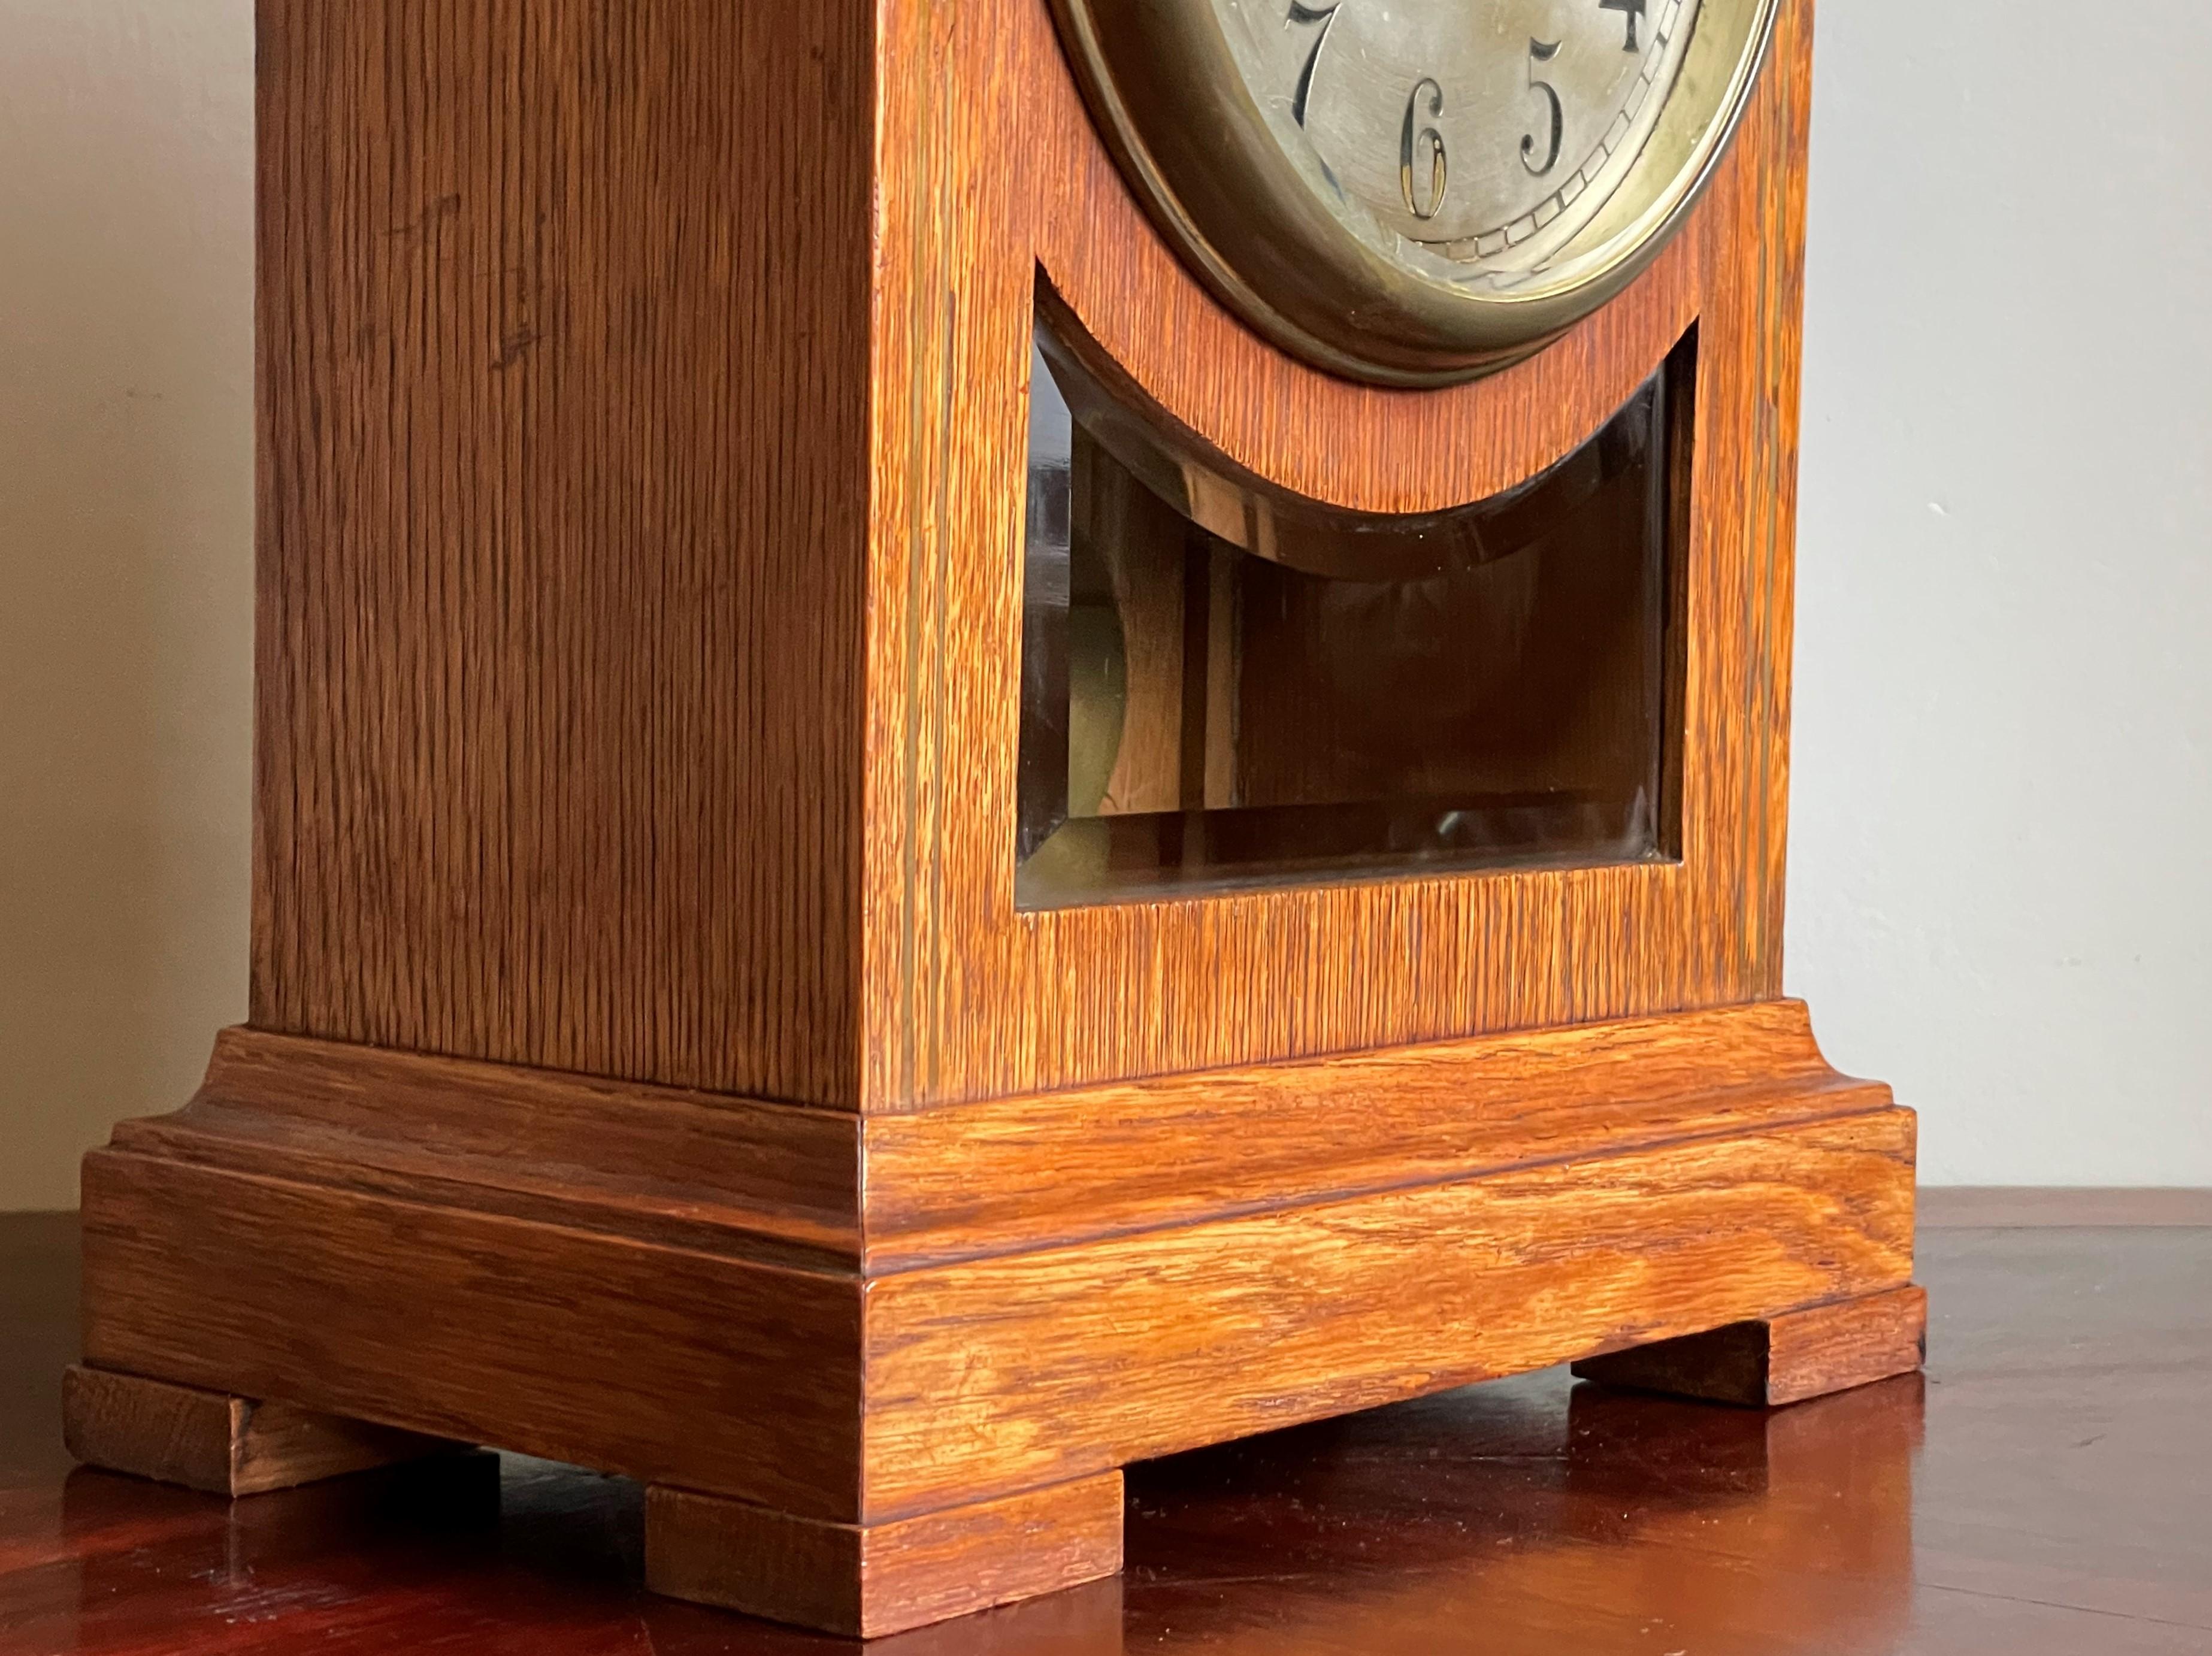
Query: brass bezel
(1307,271)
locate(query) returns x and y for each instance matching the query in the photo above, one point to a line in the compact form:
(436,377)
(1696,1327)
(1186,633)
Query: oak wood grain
(964,997)
(218,1443)
(637,654)
(822,1189)
(1014,1173)
(563,358)
(1361,446)
(1783,1359)
(830,1395)
(649,1067)
(641,459)
(884,1578)
(2047,1498)
(651,1361)
(1056,1364)
(704,1170)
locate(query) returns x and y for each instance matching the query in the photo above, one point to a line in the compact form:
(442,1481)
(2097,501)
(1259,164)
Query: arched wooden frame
(991,169)
(1355,445)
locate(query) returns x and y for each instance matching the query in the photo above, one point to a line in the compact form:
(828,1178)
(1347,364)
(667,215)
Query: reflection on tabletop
(1534,1514)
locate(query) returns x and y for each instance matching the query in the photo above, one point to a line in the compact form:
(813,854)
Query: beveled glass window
(1227,686)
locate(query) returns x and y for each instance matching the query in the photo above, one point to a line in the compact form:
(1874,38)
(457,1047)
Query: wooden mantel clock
(996,736)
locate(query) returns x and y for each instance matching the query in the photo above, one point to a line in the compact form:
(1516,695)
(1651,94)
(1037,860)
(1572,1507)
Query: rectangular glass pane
(1227,687)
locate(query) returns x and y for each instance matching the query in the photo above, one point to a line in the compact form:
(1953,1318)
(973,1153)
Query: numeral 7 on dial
(1325,15)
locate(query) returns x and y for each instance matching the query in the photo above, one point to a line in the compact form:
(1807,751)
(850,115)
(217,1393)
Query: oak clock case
(903,854)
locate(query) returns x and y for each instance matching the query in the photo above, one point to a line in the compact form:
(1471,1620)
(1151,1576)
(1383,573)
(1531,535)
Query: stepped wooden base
(882,1577)
(219,1444)
(1781,1359)
(886,1369)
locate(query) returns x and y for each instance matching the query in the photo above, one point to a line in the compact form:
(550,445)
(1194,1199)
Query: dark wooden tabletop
(2048,1487)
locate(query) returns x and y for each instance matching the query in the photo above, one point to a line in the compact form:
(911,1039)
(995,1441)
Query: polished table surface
(2047,1487)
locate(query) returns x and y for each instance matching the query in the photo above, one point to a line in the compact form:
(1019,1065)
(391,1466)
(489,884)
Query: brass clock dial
(1415,192)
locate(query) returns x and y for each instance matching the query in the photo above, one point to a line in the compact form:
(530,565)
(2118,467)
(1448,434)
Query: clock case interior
(1225,685)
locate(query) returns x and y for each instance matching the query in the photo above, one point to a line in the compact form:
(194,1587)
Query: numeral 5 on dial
(1542,52)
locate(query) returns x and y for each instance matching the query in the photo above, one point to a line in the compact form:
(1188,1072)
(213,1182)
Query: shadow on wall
(126,563)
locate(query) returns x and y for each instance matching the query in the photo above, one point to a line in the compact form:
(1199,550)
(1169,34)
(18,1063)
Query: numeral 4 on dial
(1635,10)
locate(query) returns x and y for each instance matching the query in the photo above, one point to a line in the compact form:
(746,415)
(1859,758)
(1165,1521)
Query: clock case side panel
(562,479)
(562,474)
(992,173)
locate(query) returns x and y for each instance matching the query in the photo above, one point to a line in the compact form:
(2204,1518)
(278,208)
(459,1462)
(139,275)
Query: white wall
(1999,890)
(126,584)
(2004,690)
